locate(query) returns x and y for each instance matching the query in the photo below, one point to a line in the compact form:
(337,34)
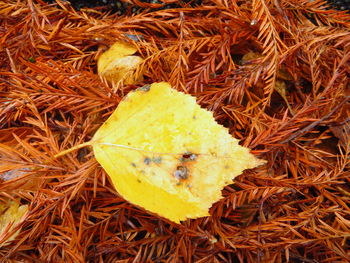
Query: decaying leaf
(19,179)
(118,63)
(11,214)
(166,154)
(280,84)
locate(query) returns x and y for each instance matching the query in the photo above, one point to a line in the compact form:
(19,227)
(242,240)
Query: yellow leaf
(11,214)
(118,63)
(166,154)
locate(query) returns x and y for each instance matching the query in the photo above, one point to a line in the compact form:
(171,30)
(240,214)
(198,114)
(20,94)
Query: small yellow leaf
(118,63)
(11,214)
(166,154)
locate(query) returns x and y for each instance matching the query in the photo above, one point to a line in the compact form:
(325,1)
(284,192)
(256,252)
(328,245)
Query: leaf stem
(73,149)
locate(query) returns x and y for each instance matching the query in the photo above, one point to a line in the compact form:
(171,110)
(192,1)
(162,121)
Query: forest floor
(275,73)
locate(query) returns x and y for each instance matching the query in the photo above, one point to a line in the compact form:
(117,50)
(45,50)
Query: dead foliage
(295,208)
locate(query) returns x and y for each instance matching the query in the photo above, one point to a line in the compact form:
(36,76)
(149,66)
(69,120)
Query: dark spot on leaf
(188,157)
(138,180)
(146,88)
(181,173)
(133,164)
(147,160)
(157,159)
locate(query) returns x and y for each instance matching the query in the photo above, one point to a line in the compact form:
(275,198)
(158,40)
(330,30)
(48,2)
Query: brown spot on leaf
(188,156)
(181,173)
(147,160)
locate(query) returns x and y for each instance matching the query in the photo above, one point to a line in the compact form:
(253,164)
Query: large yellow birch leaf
(166,154)
(118,63)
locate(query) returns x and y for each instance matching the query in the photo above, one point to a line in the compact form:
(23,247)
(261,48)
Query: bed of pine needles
(288,101)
